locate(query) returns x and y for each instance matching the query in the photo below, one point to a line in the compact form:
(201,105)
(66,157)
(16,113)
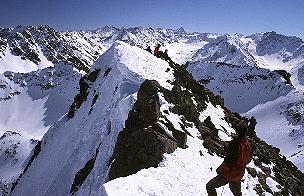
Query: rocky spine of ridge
(143,141)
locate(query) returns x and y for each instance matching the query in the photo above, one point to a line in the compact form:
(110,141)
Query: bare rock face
(143,141)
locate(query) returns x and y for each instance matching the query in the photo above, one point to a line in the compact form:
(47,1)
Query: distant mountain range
(65,98)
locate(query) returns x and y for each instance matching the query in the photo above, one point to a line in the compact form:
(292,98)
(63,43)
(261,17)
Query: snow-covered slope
(261,73)
(242,87)
(153,108)
(37,81)
(227,49)
(14,151)
(280,123)
(71,143)
(28,48)
(29,104)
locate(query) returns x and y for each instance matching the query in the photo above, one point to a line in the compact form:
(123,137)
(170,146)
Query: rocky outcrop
(146,136)
(81,97)
(286,75)
(143,141)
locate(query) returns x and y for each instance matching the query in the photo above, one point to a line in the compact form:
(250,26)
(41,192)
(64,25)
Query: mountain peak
(181,30)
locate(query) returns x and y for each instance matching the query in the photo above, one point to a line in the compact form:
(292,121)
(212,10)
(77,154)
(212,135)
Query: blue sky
(221,16)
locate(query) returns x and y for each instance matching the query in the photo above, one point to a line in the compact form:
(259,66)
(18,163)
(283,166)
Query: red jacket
(156,51)
(239,154)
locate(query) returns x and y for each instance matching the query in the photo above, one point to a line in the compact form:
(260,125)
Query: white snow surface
(136,64)
(9,62)
(69,144)
(182,51)
(242,87)
(276,129)
(29,104)
(217,116)
(183,172)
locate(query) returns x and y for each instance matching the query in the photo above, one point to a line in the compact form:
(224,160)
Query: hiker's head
(158,45)
(241,130)
(166,51)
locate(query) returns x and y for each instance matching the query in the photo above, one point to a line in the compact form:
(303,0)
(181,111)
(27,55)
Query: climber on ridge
(165,56)
(238,155)
(149,49)
(157,51)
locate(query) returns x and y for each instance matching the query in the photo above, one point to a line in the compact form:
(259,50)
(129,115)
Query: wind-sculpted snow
(70,144)
(29,104)
(181,44)
(74,156)
(143,37)
(187,170)
(28,48)
(280,123)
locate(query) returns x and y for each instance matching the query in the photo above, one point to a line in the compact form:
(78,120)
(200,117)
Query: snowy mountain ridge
(165,110)
(232,64)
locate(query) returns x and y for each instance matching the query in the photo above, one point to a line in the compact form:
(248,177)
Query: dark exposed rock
(9,133)
(181,137)
(93,102)
(81,97)
(262,180)
(80,65)
(130,156)
(285,75)
(107,72)
(251,171)
(82,174)
(204,131)
(258,189)
(207,122)
(142,143)
(27,41)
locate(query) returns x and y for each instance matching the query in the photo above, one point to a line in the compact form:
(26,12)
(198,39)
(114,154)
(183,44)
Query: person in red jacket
(231,171)
(156,51)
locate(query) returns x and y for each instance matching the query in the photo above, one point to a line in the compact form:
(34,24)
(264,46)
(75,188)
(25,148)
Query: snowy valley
(93,113)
